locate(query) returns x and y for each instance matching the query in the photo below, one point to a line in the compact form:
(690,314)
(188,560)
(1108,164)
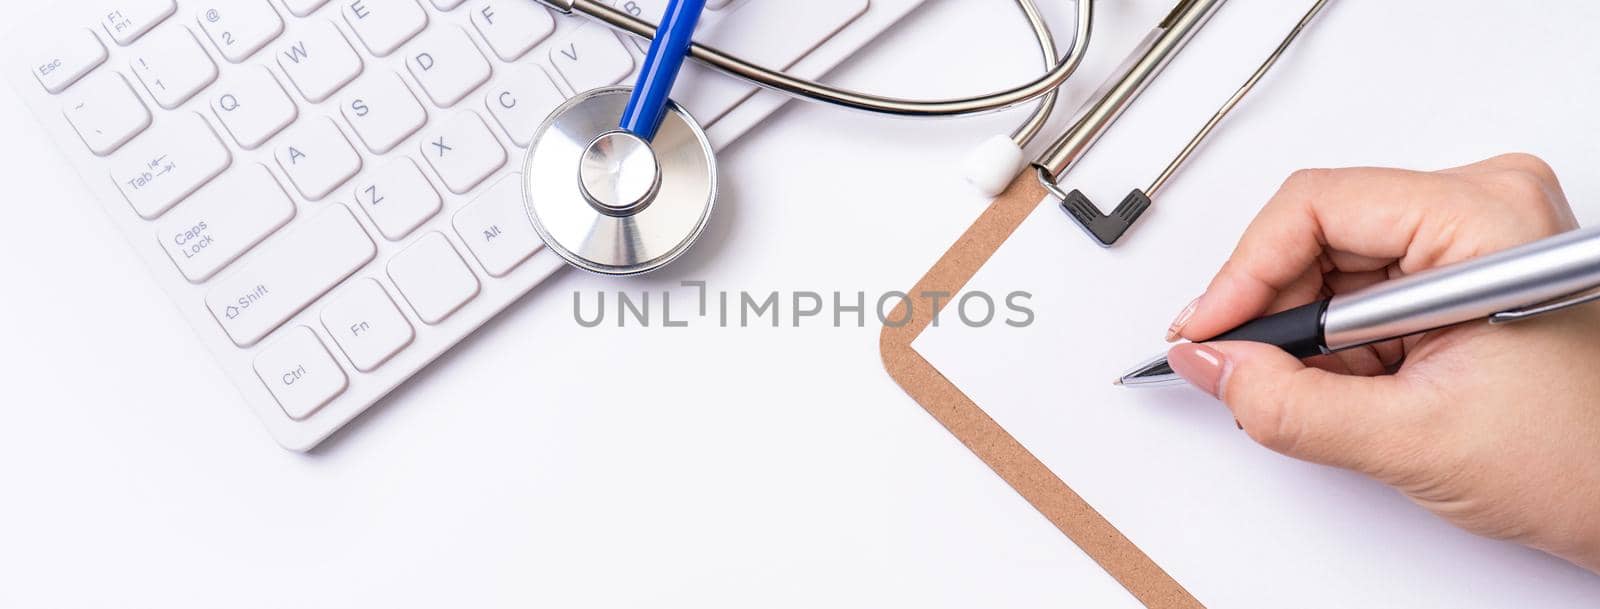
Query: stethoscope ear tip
(993,164)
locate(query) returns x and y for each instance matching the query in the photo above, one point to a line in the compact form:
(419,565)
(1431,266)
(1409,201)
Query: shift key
(289,274)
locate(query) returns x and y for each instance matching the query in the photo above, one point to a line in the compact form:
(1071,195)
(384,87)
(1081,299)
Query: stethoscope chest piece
(610,202)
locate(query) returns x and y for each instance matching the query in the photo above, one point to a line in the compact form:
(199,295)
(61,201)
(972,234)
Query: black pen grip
(1297,331)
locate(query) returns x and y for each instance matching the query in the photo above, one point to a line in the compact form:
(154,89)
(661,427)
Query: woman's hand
(1495,429)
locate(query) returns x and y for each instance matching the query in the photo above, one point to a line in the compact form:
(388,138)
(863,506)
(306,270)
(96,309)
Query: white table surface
(736,466)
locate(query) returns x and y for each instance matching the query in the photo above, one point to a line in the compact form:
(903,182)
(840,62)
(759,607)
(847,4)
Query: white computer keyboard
(327,189)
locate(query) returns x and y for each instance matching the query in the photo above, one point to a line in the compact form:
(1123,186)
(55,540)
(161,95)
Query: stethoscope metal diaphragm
(609,202)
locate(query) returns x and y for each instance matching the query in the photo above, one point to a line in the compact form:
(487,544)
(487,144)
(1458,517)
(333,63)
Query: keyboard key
(319,61)
(496,227)
(66,58)
(176,158)
(288,274)
(223,221)
(447,65)
(106,112)
(172,66)
(445,5)
(397,198)
(521,100)
(383,111)
(384,25)
(512,27)
(366,325)
(239,28)
(433,278)
(651,10)
(253,106)
(317,158)
(299,372)
(462,151)
(301,8)
(591,57)
(127,20)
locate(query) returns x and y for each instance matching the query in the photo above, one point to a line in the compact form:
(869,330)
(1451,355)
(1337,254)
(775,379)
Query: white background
(540,463)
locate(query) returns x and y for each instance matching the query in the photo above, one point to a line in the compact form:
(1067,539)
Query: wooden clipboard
(1029,476)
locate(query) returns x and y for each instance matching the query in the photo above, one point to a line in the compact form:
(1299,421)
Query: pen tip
(1117,383)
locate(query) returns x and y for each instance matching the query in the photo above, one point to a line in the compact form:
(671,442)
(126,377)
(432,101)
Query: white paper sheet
(1421,84)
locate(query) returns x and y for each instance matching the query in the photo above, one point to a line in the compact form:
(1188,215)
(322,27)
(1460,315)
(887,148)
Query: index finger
(1368,217)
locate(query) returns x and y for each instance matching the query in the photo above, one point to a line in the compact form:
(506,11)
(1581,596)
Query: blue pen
(648,103)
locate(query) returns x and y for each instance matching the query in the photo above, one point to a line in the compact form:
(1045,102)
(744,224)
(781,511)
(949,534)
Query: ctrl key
(299,372)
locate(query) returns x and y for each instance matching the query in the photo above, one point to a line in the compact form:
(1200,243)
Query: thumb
(1353,422)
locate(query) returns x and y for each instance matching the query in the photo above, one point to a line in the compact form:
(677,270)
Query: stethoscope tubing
(663,62)
(1040,87)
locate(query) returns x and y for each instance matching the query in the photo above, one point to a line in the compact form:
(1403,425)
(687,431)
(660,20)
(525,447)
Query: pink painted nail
(1176,329)
(1203,366)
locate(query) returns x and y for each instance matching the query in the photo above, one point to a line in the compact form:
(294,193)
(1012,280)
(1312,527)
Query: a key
(445,5)
(126,20)
(591,57)
(382,111)
(284,276)
(397,198)
(253,106)
(496,228)
(521,100)
(433,278)
(447,65)
(175,159)
(299,372)
(223,221)
(512,27)
(384,25)
(301,8)
(106,112)
(317,157)
(366,324)
(66,58)
(319,61)
(239,28)
(172,66)
(462,151)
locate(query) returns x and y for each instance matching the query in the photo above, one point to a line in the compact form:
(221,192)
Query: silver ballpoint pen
(1526,281)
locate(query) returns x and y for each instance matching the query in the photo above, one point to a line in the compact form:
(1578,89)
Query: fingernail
(1203,366)
(1176,329)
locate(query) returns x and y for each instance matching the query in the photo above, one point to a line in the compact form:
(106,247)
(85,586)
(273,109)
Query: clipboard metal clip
(1114,97)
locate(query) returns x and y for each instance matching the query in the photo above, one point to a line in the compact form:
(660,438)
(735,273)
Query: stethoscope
(622,181)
